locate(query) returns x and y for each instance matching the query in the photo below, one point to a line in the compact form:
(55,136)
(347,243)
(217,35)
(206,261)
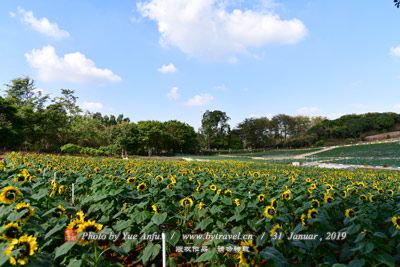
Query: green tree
(215,129)
(125,136)
(255,132)
(180,137)
(10,125)
(151,136)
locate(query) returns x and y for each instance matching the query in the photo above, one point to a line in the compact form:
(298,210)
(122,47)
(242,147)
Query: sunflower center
(398,221)
(271,212)
(26,215)
(21,178)
(25,248)
(313,213)
(91,228)
(315,204)
(10,195)
(329,199)
(11,232)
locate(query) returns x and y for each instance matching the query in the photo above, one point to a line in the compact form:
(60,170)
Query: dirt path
(302,156)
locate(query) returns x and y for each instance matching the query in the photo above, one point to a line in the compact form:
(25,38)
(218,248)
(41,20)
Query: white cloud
(42,25)
(12,14)
(72,67)
(207,29)
(92,106)
(395,51)
(308,111)
(199,100)
(170,68)
(173,94)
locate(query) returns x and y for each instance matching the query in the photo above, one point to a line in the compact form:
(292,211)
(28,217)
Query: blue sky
(174,59)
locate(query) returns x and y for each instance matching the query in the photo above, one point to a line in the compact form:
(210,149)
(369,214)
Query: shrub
(70,149)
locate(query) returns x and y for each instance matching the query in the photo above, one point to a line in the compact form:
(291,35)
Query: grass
(280,152)
(384,150)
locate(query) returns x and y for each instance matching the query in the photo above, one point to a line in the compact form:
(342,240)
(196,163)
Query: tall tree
(215,128)
(180,137)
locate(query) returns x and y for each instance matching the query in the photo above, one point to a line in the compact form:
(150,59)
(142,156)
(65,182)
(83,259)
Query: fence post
(73,193)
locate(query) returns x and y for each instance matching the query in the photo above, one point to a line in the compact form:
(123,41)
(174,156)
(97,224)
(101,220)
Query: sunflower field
(353,217)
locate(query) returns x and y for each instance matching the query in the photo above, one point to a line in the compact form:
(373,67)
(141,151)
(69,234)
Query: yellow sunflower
(228,192)
(25,206)
(218,192)
(312,186)
(275,229)
(261,197)
(186,202)
(59,211)
(213,187)
(81,216)
(303,219)
(25,245)
(74,225)
(371,198)
(9,194)
(390,192)
(200,206)
(349,213)
(315,203)
(249,243)
(312,213)
(61,189)
(237,202)
(287,195)
(242,260)
(173,179)
(329,187)
(363,197)
(154,208)
(131,180)
(396,222)
(89,226)
(141,187)
(11,231)
(53,184)
(328,198)
(269,212)
(20,178)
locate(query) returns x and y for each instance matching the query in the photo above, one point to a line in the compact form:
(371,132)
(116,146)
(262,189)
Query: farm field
(279,152)
(380,154)
(356,214)
(270,156)
(379,150)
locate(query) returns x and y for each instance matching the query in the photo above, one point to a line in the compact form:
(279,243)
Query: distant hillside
(354,127)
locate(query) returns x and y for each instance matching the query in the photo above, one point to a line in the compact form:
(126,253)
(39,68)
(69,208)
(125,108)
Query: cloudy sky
(174,59)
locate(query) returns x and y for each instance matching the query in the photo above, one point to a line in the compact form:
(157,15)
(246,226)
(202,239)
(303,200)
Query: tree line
(31,121)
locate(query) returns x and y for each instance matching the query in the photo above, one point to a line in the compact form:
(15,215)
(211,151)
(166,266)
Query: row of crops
(356,214)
